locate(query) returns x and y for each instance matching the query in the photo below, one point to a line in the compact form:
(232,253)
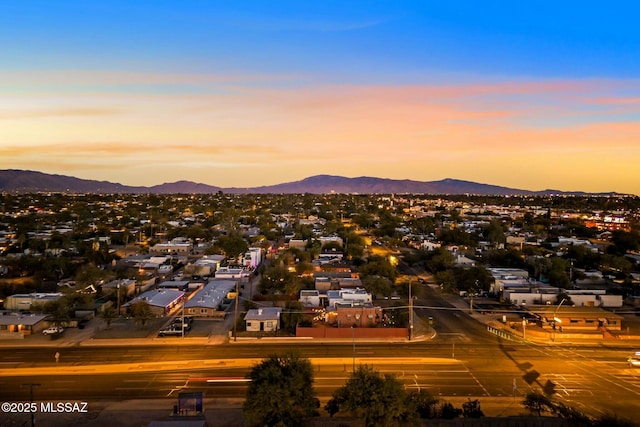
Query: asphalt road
(463,360)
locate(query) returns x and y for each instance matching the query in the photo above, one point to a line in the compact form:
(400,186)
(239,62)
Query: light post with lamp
(353,340)
(556,319)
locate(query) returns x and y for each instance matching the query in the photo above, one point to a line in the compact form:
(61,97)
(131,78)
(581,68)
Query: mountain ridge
(24,181)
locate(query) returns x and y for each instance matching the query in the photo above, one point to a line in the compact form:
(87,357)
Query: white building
(310,298)
(348,296)
(265,319)
(252,258)
(231,273)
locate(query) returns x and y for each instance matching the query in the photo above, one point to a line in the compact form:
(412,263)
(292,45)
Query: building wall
(353,333)
(267,325)
(358,316)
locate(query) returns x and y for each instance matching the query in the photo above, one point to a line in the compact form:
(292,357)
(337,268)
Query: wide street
(464,359)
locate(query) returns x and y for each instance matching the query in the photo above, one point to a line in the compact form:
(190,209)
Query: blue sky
(264,76)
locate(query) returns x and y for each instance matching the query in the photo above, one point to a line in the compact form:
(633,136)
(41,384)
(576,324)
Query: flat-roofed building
(161,301)
(25,301)
(265,319)
(207,301)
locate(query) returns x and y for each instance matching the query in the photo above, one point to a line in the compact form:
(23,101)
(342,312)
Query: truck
(170,332)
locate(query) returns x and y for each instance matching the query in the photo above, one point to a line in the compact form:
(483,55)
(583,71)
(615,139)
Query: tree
(281,392)
(233,245)
(58,311)
(439,260)
(425,403)
(537,403)
(379,266)
(141,312)
(108,314)
(378,286)
(471,409)
(379,400)
(449,412)
(277,279)
(292,315)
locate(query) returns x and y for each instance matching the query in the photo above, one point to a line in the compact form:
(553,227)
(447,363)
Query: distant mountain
(31,181)
(323,184)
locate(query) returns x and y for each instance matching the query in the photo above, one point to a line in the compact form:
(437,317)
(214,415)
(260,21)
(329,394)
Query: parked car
(171,332)
(53,330)
(634,361)
(177,323)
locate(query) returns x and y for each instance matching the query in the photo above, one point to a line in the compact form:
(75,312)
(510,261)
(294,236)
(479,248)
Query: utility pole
(235,314)
(31,386)
(353,340)
(410,312)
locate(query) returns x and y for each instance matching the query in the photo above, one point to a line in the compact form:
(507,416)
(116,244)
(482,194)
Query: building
(587,319)
(310,298)
(232,273)
(347,314)
(174,247)
(208,300)
(265,319)
(348,296)
(123,286)
(181,285)
(252,258)
(25,301)
(161,301)
(19,325)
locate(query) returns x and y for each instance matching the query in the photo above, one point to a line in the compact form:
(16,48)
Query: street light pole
(410,312)
(555,319)
(235,313)
(353,340)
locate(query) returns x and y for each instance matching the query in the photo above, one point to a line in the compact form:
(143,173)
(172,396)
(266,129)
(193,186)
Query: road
(595,379)
(464,359)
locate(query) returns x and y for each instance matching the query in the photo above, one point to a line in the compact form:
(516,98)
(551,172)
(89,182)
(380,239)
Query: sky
(530,94)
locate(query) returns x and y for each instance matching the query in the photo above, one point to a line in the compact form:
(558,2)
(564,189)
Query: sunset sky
(523,94)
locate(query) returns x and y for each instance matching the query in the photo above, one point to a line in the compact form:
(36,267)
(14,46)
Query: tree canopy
(281,392)
(379,400)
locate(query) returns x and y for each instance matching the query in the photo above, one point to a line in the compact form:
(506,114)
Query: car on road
(53,330)
(634,361)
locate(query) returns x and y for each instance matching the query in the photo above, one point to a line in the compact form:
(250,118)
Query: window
(248,324)
(269,324)
(203,311)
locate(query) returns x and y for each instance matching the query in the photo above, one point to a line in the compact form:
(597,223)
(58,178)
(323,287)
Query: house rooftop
(158,297)
(212,294)
(267,313)
(8,318)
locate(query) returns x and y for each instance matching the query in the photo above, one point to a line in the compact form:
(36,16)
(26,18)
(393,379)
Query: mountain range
(23,181)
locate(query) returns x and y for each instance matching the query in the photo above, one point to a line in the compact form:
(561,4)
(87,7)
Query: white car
(634,361)
(53,330)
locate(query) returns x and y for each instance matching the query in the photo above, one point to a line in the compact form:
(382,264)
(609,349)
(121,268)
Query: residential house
(265,319)
(18,325)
